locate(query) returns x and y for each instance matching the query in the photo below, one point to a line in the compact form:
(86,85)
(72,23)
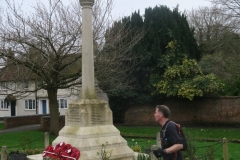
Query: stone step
(35,157)
(39,157)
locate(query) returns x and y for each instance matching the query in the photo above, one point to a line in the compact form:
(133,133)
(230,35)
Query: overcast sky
(126,7)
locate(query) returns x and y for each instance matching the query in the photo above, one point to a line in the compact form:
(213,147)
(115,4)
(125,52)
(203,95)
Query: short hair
(164,109)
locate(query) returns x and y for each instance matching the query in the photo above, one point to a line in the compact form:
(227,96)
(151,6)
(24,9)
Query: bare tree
(229,5)
(116,60)
(47,43)
(210,25)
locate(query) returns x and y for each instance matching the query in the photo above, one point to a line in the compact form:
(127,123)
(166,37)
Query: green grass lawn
(35,139)
(28,142)
(198,133)
(1,126)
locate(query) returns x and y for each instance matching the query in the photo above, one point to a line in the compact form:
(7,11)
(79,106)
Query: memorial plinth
(88,126)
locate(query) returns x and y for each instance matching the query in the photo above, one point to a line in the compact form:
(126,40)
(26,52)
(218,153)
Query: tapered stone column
(88,121)
(88,86)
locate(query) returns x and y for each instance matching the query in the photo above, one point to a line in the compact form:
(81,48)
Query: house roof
(13,73)
(18,72)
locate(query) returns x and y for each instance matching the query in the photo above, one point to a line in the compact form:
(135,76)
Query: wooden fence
(158,145)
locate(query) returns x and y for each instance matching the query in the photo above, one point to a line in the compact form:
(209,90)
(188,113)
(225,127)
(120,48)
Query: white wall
(42,95)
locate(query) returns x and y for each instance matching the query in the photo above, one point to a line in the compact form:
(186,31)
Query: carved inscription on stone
(96,116)
(74,115)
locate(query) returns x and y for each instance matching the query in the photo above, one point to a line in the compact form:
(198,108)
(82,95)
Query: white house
(34,103)
(30,103)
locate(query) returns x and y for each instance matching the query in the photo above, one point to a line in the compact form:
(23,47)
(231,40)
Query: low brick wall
(15,121)
(45,123)
(224,111)
(140,115)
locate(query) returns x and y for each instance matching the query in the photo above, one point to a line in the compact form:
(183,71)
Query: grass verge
(1,126)
(198,133)
(206,140)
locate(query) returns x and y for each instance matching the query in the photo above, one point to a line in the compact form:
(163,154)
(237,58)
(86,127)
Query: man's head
(162,112)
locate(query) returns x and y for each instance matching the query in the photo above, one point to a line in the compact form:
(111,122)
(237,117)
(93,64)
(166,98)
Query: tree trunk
(54,113)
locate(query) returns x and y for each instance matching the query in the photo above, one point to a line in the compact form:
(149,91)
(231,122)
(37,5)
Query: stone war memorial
(88,121)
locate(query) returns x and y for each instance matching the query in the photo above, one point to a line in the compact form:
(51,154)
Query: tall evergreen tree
(162,26)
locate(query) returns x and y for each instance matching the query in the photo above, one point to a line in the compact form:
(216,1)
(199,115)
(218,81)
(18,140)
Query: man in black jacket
(171,140)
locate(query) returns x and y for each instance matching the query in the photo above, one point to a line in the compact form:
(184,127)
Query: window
(12,85)
(25,84)
(4,105)
(62,103)
(7,85)
(3,85)
(30,104)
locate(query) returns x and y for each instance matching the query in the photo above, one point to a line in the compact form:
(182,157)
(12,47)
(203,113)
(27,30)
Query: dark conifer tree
(161,26)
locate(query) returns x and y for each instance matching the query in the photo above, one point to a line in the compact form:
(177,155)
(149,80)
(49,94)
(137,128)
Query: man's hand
(159,153)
